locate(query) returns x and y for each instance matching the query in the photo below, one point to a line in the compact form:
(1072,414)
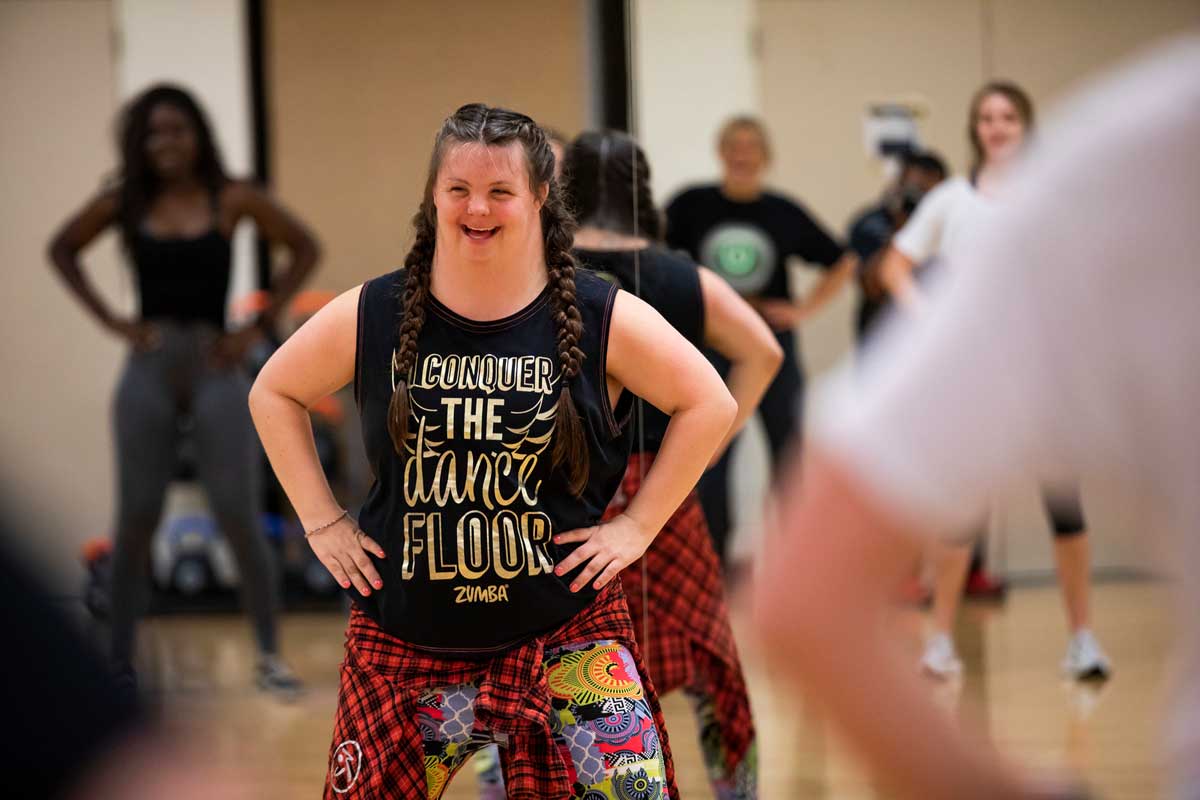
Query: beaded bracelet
(329,524)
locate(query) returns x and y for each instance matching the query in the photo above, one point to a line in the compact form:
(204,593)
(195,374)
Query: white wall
(693,67)
(57,92)
(202,45)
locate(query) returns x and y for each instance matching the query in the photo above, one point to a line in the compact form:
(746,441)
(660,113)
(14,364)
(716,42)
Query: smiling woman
(945,226)
(176,209)
(484,602)
(486,211)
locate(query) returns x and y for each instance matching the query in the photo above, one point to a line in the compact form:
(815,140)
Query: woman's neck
(182,184)
(592,238)
(487,290)
(992,174)
(740,191)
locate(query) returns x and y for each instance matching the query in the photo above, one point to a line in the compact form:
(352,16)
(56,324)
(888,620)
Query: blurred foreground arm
(821,604)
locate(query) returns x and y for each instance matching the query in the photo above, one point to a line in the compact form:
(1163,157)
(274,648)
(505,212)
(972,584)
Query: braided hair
(604,172)
(498,127)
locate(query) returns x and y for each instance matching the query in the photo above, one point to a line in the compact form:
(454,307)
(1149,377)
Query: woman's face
(486,208)
(999,128)
(744,156)
(171,142)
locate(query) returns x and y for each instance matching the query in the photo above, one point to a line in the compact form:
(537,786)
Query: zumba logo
(345,766)
(741,253)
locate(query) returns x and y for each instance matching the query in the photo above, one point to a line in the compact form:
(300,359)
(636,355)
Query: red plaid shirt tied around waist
(690,644)
(513,700)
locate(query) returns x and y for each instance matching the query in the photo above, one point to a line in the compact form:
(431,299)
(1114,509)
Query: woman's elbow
(725,408)
(772,354)
(258,398)
(58,251)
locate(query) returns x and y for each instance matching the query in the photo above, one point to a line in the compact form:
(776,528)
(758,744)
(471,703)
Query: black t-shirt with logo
(748,244)
(670,283)
(467,519)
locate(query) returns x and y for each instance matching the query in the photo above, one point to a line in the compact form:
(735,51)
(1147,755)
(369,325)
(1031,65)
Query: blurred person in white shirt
(949,221)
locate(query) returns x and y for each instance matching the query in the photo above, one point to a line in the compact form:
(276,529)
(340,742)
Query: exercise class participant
(494,383)
(947,221)
(746,234)
(872,231)
(176,209)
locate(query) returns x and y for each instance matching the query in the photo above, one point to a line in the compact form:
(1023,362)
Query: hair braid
(558,231)
(418,266)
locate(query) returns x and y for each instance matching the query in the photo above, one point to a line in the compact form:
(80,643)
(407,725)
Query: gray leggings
(157,388)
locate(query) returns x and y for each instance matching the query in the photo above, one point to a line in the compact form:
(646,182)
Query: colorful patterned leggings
(741,784)
(602,723)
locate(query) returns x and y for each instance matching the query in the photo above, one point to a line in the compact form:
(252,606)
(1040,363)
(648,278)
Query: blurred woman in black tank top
(176,210)
(494,382)
(675,592)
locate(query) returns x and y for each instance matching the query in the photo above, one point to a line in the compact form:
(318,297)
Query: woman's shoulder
(389,285)
(695,193)
(240,195)
(672,258)
(669,269)
(591,287)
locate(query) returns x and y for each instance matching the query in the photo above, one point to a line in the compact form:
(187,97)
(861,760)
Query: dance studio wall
(58,91)
(823,62)
(693,67)
(810,68)
(357,91)
(67,67)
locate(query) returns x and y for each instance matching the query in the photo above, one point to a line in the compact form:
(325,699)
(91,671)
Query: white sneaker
(1085,659)
(940,659)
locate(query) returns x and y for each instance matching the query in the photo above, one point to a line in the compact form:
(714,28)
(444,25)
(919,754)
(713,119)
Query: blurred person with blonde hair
(676,595)
(746,234)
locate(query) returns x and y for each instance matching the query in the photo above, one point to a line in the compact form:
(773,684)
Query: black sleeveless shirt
(670,282)
(467,519)
(183,279)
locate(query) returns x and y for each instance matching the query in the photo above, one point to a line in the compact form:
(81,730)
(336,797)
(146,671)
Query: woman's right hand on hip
(343,548)
(143,336)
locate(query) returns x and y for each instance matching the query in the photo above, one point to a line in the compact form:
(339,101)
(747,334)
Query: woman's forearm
(830,284)
(286,433)
(747,381)
(692,436)
(300,266)
(896,274)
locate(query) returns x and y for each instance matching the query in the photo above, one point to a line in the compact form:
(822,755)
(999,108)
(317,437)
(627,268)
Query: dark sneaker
(277,678)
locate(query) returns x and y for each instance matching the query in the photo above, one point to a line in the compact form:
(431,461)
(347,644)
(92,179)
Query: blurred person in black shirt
(872,230)
(746,234)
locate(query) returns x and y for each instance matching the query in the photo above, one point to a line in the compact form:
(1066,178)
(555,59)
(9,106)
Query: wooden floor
(1012,690)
